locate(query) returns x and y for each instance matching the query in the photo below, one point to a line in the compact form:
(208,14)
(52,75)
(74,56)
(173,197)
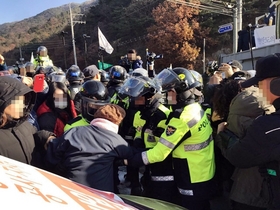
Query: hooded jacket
(16,137)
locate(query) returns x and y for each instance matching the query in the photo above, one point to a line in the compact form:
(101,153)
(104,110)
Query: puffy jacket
(16,138)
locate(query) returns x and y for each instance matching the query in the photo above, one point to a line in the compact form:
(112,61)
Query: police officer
(92,96)
(117,75)
(149,124)
(188,136)
(75,78)
(42,58)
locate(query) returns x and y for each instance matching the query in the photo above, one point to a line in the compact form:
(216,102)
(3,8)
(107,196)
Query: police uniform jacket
(188,136)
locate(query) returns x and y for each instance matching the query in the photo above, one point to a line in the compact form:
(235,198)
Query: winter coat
(248,183)
(86,154)
(258,144)
(16,137)
(54,121)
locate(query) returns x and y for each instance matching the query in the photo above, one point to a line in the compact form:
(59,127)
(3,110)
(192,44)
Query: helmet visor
(92,105)
(167,80)
(135,87)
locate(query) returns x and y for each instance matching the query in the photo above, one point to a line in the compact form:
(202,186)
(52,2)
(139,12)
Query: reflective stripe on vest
(162,178)
(185,192)
(196,119)
(145,158)
(167,143)
(194,147)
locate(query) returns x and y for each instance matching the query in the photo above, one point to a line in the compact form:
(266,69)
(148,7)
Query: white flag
(104,43)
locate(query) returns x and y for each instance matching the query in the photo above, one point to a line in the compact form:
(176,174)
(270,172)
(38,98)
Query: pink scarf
(105,124)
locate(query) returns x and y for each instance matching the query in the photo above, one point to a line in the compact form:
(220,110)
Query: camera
(212,67)
(152,56)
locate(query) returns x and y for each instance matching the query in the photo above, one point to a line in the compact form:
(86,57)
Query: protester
(16,133)
(260,144)
(56,110)
(86,154)
(91,73)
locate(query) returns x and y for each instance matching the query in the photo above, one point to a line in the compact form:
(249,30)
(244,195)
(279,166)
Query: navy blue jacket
(86,155)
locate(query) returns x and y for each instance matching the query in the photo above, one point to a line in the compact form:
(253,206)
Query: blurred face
(16,108)
(43,53)
(60,99)
(264,88)
(131,56)
(171,97)
(139,101)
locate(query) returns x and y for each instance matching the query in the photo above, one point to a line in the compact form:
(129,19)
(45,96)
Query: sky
(16,10)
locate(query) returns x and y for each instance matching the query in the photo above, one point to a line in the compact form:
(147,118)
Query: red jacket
(53,121)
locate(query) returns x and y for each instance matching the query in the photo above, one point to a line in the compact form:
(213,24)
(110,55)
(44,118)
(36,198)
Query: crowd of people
(197,136)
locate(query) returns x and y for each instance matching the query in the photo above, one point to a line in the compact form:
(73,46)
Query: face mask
(60,104)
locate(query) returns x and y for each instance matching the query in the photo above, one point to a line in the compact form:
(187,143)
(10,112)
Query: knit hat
(266,67)
(111,112)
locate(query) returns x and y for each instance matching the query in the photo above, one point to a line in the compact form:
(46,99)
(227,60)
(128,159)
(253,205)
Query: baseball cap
(266,67)
(91,71)
(235,64)
(241,75)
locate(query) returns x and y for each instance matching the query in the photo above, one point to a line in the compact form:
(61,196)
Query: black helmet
(93,95)
(179,79)
(104,76)
(74,74)
(139,86)
(117,74)
(42,51)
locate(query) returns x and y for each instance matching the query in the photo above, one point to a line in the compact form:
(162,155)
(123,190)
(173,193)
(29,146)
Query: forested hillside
(126,24)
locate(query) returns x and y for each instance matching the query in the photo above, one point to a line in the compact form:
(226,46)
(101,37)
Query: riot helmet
(136,87)
(104,76)
(74,74)
(198,78)
(42,51)
(93,95)
(30,69)
(139,72)
(57,76)
(117,74)
(179,79)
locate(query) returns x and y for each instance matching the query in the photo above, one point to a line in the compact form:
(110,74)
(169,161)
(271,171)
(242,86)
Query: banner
(104,43)
(265,36)
(103,65)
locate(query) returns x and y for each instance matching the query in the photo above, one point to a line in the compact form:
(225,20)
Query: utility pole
(72,31)
(64,51)
(239,6)
(235,30)
(85,40)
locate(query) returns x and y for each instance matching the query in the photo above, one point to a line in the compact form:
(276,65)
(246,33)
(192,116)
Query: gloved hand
(41,137)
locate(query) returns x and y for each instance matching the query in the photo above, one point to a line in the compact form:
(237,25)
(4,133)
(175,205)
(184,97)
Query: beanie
(111,112)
